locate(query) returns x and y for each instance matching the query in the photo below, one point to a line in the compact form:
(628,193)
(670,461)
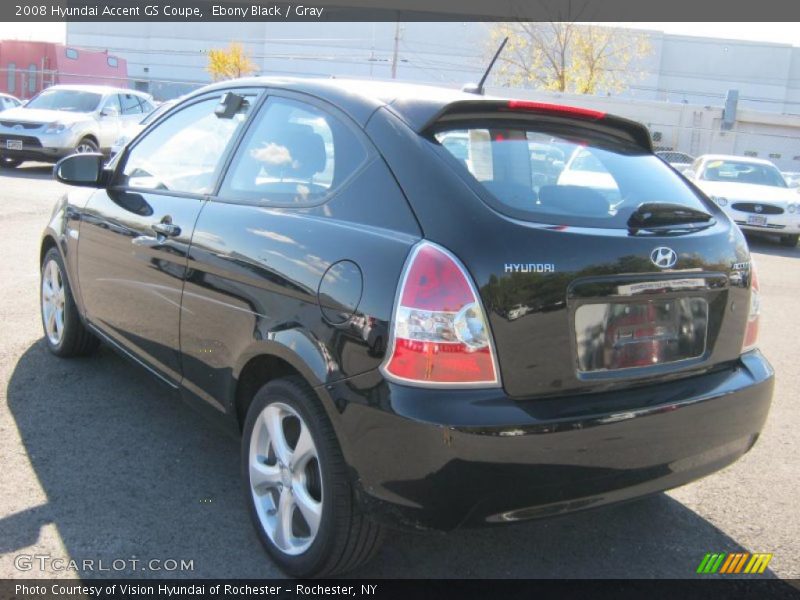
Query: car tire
(86,145)
(64,332)
(343,538)
(10,163)
(790,240)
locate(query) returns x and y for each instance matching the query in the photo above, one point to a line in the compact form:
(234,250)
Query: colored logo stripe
(758,564)
(721,562)
(734,562)
(711,562)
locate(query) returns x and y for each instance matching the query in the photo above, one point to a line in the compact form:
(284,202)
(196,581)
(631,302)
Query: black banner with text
(396,10)
(406,589)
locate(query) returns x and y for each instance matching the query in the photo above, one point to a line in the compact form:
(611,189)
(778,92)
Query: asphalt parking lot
(100,462)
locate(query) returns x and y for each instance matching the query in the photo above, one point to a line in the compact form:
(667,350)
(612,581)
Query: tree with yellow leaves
(568,57)
(229,63)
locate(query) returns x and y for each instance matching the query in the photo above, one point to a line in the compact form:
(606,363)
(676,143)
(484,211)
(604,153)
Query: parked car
(64,119)
(752,191)
(403,339)
(132,132)
(792,179)
(677,160)
(8,101)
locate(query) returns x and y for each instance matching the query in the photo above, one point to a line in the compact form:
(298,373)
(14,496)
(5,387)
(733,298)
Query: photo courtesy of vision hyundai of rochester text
(410,318)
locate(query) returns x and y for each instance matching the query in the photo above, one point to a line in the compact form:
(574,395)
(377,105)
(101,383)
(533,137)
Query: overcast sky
(782,33)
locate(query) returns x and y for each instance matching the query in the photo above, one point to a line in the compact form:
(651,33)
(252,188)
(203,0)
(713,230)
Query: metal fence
(694,130)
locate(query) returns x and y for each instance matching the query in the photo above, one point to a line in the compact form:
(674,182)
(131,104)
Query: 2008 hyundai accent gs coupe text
(405,336)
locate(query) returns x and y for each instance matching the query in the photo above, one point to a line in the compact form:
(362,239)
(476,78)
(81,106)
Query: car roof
(416,104)
(732,157)
(360,97)
(97,89)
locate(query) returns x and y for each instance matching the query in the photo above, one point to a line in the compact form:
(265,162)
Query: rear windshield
(562,179)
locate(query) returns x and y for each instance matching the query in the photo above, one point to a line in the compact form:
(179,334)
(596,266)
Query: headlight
(720,200)
(58,127)
(792,208)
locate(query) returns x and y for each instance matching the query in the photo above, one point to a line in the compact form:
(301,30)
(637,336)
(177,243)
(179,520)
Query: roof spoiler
(620,127)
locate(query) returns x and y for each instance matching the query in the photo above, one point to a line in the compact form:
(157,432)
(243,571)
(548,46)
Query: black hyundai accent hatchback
(421,308)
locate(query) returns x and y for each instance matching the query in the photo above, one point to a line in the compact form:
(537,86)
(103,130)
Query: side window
(183,153)
(112,102)
(294,154)
(130,104)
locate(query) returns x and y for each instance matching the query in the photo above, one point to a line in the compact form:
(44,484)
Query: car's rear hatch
(598,265)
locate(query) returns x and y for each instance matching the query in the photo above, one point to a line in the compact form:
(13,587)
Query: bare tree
(569,57)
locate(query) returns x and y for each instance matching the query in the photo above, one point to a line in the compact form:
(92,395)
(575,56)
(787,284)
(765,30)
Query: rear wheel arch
(256,373)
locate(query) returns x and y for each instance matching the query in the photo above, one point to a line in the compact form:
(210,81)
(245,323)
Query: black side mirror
(84,169)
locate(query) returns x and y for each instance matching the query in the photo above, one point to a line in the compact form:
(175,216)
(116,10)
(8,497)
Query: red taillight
(751,331)
(440,336)
(545,107)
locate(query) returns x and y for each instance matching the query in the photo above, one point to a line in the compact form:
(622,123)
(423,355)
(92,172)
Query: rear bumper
(441,459)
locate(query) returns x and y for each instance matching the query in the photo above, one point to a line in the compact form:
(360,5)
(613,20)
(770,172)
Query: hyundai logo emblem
(664,257)
(758,208)
(17,127)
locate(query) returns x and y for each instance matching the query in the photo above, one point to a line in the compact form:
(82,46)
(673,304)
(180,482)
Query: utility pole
(396,44)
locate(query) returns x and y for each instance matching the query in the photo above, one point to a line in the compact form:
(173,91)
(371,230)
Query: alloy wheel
(53,300)
(285,478)
(84,147)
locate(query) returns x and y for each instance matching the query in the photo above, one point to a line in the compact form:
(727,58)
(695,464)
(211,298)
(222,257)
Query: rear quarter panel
(254,277)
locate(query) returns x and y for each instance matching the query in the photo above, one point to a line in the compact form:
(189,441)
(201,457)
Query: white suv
(64,119)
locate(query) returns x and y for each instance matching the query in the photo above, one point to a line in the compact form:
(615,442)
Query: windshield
(734,171)
(69,100)
(600,184)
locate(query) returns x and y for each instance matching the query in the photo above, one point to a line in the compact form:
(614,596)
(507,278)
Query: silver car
(8,101)
(64,119)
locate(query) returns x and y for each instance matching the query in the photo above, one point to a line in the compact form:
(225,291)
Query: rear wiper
(666,216)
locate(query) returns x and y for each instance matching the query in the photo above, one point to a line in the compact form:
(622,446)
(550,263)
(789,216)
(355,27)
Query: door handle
(166,228)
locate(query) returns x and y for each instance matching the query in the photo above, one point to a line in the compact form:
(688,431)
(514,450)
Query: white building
(680,68)
(679,96)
